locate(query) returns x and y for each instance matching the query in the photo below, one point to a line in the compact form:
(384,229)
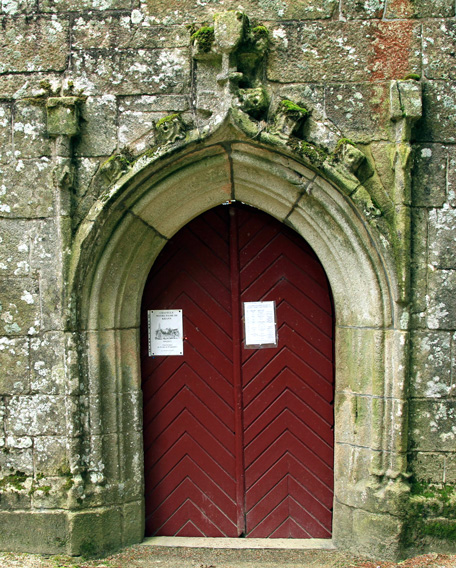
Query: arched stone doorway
(115,249)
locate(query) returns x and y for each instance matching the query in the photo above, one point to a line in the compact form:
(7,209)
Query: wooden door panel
(269,472)
(282,426)
(188,410)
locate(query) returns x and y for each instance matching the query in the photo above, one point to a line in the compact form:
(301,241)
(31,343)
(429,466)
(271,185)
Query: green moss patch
(204,38)
(292,109)
(15,480)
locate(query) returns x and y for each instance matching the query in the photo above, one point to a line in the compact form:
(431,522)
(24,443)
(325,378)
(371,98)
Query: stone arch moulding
(114,250)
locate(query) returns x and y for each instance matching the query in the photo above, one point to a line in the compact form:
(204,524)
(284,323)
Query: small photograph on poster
(165,332)
(260,325)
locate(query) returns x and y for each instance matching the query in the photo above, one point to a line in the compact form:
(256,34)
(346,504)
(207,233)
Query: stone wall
(86,88)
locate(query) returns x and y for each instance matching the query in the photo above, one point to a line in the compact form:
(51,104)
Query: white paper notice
(165,332)
(260,323)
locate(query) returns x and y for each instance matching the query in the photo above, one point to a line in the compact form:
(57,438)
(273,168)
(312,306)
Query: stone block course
(19,306)
(130,72)
(185,11)
(124,31)
(432,424)
(419,9)
(99,127)
(360,111)
(344,52)
(439,113)
(30,196)
(34,43)
(14,365)
(429,178)
(36,415)
(29,130)
(362,9)
(442,228)
(431,365)
(439,47)
(441,312)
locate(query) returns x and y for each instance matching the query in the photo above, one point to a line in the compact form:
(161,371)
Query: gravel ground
(140,556)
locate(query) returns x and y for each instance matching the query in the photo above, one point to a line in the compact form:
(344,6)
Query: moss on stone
(432,512)
(412,76)
(260,32)
(341,143)
(204,38)
(316,155)
(292,109)
(165,119)
(15,480)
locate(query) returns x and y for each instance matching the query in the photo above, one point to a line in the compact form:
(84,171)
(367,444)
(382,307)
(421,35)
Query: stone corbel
(63,125)
(405,110)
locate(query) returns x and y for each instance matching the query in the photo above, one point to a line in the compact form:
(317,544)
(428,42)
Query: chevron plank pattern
(287,391)
(193,447)
(188,401)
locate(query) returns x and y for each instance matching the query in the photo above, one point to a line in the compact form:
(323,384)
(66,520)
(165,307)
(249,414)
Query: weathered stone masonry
(336,117)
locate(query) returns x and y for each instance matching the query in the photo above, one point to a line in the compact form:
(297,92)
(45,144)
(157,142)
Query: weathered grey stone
(136,129)
(429,175)
(442,230)
(450,468)
(95,532)
(17,455)
(15,7)
(15,246)
(20,85)
(419,9)
(350,52)
(36,415)
(29,131)
(439,45)
(62,116)
(441,313)
(178,11)
(123,31)
(451,176)
(431,364)
(98,127)
(19,306)
(439,113)
(363,532)
(47,364)
(34,44)
(131,72)
(14,365)
(50,455)
(132,531)
(362,9)
(428,467)
(353,412)
(44,533)
(29,196)
(360,349)
(432,424)
(6,148)
(419,268)
(347,107)
(67,5)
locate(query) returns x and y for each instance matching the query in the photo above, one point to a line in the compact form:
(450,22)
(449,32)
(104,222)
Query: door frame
(114,250)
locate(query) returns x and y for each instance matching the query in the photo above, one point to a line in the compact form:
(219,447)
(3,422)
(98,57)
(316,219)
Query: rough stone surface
(116,129)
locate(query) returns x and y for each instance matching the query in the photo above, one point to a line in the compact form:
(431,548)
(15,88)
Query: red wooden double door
(239,442)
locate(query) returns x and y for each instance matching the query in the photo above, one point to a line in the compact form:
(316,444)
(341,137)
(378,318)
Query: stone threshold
(241,543)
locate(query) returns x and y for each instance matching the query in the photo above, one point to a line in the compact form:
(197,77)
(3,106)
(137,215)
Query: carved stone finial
(170,129)
(287,119)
